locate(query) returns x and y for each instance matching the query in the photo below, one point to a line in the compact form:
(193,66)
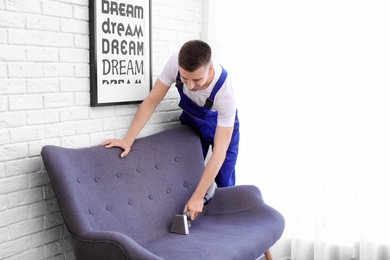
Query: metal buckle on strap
(209,103)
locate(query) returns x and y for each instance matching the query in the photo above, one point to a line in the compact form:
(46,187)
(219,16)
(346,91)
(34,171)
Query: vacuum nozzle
(181,223)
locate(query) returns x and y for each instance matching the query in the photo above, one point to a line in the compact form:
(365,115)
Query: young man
(209,107)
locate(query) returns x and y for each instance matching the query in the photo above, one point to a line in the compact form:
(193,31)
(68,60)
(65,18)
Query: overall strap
(179,83)
(210,100)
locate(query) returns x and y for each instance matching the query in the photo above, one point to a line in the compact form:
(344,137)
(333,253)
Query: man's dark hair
(194,54)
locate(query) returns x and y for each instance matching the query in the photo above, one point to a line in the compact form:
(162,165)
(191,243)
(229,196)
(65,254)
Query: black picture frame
(120,51)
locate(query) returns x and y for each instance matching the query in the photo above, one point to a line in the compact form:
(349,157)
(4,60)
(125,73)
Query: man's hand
(121,143)
(194,206)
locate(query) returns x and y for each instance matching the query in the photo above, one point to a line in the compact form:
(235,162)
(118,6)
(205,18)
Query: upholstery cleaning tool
(181,223)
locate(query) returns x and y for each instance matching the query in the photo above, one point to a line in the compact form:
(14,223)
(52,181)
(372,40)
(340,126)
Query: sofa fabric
(123,208)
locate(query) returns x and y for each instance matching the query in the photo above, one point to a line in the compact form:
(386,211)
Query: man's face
(200,79)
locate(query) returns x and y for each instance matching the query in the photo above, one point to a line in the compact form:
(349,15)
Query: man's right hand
(121,143)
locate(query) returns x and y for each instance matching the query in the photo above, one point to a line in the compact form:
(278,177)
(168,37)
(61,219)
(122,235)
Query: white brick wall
(44,99)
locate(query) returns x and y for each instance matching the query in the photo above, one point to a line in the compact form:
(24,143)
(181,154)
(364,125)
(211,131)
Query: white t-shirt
(224,101)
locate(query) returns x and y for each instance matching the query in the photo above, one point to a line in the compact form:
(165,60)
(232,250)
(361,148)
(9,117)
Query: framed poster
(120,51)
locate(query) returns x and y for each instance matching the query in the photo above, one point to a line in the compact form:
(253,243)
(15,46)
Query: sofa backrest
(137,195)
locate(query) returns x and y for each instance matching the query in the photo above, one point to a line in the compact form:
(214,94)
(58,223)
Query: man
(209,107)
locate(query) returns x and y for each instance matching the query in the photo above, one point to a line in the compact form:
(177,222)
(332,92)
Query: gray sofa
(123,208)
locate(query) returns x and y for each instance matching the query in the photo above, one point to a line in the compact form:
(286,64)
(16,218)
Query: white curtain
(313,86)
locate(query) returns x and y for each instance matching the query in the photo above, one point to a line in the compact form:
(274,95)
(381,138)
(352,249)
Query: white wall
(306,72)
(44,99)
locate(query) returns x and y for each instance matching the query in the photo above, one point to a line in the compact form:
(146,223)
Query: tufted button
(108,208)
(78,181)
(119,175)
(185,185)
(176,159)
(150,197)
(96,179)
(168,191)
(138,170)
(90,211)
(130,202)
(157,166)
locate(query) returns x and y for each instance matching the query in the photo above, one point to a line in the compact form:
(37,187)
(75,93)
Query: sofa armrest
(234,199)
(109,245)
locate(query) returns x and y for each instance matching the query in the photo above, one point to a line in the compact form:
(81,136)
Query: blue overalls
(204,122)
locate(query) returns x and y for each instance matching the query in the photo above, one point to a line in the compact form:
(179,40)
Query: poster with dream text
(120,51)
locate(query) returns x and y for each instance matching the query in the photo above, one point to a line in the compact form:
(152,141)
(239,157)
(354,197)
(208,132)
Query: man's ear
(211,67)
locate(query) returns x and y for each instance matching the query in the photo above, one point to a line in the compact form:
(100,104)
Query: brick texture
(44,100)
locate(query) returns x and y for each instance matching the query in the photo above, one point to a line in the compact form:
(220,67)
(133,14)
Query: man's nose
(191,85)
